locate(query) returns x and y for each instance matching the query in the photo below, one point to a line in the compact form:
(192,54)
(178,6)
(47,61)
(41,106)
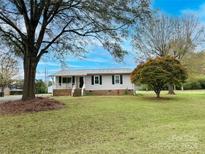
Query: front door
(81,82)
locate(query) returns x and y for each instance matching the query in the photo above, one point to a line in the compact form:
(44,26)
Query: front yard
(121,124)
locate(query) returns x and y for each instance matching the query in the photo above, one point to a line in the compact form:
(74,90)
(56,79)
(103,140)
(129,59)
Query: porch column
(76,81)
(53,81)
(83,87)
(84,82)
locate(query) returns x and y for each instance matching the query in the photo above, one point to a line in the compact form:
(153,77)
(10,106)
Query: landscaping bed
(34,105)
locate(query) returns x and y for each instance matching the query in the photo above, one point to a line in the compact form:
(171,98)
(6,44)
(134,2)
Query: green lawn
(117,125)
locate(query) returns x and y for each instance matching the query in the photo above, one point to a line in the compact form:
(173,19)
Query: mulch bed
(34,105)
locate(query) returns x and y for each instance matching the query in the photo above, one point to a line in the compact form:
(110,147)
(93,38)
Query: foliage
(50,83)
(194,62)
(202,83)
(158,72)
(8,69)
(59,27)
(143,87)
(41,87)
(17,84)
(163,35)
(193,84)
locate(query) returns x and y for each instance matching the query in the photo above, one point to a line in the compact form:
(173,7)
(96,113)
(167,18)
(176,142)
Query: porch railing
(63,86)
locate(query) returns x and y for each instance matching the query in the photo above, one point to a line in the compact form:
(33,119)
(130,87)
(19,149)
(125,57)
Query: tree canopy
(8,69)
(158,72)
(194,62)
(32,28)
(164,35)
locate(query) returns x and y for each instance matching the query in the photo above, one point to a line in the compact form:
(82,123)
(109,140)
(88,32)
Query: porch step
(77,92)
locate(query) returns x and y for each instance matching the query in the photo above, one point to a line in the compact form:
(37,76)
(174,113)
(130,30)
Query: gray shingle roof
(78,72)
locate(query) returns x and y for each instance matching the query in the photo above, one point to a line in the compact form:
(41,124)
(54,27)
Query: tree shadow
(164,99)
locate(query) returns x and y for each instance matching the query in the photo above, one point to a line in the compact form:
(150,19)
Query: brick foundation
(67,92)
(109,92)
(61,92)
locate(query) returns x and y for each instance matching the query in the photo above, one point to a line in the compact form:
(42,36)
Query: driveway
(18,97)
(10,98)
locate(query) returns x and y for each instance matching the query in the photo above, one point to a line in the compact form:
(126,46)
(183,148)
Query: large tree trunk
(158,94)
(2,91)
(171,89)
(30,64)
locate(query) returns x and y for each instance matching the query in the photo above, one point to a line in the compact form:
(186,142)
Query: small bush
(143,87)
(41,87)
(202,83)
(193,85)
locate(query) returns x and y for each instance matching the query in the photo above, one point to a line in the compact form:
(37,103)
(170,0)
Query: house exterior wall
(107,83)
(105,88)
(63,85)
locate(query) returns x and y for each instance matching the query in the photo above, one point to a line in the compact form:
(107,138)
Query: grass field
(110,125)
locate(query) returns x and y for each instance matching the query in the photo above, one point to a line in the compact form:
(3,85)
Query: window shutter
(59,80)
(92,80)
(121,79)
(113,79)
(73,80)
(100,79)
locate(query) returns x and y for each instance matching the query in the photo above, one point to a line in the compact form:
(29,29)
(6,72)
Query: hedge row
(188,85)
(191,85)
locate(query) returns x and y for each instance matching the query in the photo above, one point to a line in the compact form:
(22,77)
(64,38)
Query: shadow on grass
(162,99)
(158,99)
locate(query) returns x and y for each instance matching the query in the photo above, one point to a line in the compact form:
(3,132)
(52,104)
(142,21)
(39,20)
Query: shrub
(193,85)
(202,83)
(143,87)
(41,87)
(158,72)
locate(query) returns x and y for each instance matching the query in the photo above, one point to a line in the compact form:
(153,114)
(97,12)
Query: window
(117,79)
(97,79)
(67,80)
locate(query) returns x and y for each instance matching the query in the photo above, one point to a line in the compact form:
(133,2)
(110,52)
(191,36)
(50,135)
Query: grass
(111,125)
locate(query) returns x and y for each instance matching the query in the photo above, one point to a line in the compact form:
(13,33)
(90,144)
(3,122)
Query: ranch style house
(92,82)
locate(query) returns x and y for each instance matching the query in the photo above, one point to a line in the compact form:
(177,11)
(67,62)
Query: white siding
(50,89)
(107,83)
(63,85)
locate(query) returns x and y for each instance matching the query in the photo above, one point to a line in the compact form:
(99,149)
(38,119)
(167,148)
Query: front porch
(69,85)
